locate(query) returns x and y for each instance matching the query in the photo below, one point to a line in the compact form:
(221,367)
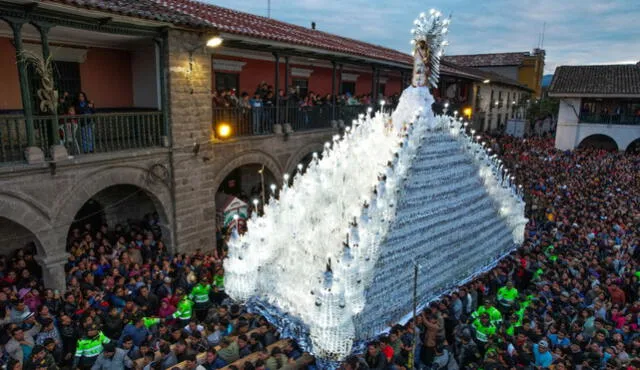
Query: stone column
(189,98)
(53,270)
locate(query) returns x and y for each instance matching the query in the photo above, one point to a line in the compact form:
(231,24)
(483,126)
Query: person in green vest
(494,314)
(483,329)
(184,309)
(150,321)
(507,296)
(549,253)
(200,296)
(89,348)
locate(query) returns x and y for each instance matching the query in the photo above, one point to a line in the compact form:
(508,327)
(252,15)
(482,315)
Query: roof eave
(303,48)
(591,95)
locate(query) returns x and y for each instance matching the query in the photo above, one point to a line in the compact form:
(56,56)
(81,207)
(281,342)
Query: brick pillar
(190,114)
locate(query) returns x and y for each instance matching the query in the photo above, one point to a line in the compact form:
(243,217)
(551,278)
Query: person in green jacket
(184,310)
(494,315)
(150,321)
(507,296)
(200,296)
(484,328)
(89,348)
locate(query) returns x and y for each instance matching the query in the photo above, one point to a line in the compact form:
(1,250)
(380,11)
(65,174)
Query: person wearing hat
(200,296)
(89,348)
(184,309)
(541,354)
(112,358)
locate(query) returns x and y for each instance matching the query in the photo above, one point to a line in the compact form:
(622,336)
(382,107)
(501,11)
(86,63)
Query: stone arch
(634,146)
(599,141)
(300,154)
(250,157)
(17,209)
(72,201)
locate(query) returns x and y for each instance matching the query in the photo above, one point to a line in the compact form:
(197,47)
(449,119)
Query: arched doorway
(124,210)
(634,147)
(598,142)
(18,246)
(248,182)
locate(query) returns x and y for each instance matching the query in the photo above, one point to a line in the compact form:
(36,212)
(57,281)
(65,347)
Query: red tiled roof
(196,14)
(488,60)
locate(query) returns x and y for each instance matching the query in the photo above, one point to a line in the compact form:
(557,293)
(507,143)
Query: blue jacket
(137,334)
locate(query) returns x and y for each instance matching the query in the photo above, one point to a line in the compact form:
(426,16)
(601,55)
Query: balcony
(610,119)
(261,121)
(81,134)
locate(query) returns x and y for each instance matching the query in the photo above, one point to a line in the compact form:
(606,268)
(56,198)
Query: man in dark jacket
(375,358)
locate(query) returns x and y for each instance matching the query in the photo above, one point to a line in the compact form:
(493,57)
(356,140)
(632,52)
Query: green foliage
(543,107)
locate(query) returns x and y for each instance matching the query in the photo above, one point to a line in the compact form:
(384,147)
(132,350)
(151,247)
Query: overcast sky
(577,31)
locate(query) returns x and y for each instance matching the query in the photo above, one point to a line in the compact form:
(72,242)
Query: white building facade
(599,106)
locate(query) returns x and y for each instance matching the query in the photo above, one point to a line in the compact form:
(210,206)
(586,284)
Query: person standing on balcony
(85,107)
(256,110)
(68,131)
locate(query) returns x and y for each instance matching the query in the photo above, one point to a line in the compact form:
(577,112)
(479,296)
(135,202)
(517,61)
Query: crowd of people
(265,96)
(129,304)
(567,299)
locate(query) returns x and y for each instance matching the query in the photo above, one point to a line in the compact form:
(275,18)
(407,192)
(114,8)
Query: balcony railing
(611,119)
(261,121)
(82,134)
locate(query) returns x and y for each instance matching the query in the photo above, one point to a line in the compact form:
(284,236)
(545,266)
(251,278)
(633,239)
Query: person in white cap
(542,355)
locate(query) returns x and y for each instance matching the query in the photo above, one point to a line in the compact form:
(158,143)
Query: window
(348,87)
(227,81)
(302,86)
(66,78)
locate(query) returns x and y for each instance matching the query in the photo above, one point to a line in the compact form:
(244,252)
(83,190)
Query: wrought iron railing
(81,134)
(261,120)
(607,118)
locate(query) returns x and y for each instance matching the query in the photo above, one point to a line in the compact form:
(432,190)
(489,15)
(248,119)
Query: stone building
(153,141)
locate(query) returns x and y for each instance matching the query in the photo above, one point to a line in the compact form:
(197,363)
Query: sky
(577,31)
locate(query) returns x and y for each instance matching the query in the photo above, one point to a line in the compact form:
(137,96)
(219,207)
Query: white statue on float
(331,260)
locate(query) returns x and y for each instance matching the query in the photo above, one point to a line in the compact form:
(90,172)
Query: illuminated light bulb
(273,188)
(236,217)
(286,178)
(315,154)
(327,145)
(382,102)
(300,166)
(446,105)
(354,122)
(478,137)
(473,132)
(369,110)
(255,203)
